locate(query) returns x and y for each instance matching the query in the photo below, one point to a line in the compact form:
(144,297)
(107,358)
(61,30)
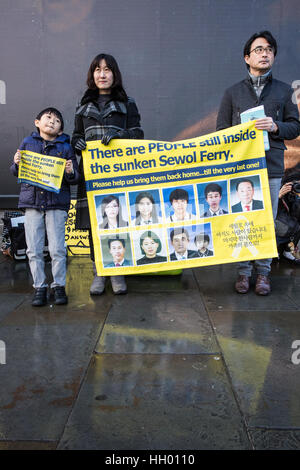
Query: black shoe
(60,297)
(40,297)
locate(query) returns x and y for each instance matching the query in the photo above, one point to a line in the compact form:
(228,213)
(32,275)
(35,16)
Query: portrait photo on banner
(190,241)
(212,198)
(246,194)
(179,203)
(116,250)
(150,246)
(111,211)
(145,207)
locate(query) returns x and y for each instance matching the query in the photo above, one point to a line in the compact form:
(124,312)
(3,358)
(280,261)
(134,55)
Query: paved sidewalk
(181,362)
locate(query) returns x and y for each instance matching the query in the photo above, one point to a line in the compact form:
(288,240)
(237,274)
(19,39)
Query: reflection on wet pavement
(181,362)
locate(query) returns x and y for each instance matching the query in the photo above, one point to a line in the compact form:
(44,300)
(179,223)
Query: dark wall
(176,58)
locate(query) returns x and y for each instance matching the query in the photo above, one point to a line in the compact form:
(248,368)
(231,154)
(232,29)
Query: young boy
(213,196)
(47,211)
(202,241)
(179,199)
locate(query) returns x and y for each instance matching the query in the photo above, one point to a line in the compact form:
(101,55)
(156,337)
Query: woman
(145,209)
(150,245)
(111,212)
(105,113)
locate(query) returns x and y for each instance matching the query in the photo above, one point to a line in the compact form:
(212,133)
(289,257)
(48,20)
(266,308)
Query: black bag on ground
(13,238)
(286,225)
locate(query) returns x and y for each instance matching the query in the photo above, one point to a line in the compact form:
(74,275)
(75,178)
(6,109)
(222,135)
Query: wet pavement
(180,362)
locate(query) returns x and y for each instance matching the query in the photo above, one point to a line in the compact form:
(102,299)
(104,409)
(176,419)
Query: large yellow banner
(166,205)
(40,170)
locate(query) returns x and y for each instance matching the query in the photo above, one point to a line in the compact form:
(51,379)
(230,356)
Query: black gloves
(108,136)
(80,144)
(114,134)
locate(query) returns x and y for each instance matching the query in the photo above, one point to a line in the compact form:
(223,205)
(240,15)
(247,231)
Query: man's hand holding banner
(156,206)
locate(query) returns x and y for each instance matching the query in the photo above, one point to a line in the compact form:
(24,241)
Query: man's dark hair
(245,180)
(263,34)
(291,174)
(179,231)
(52,111)
(116,239)
(179,193)
(212,187)
(117,90)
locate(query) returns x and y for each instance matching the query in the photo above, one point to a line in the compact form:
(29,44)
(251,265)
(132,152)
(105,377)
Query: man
(179,199)
(281,123)
(180,240)
(245,192)
(117,250)
(213,196)
(202,241)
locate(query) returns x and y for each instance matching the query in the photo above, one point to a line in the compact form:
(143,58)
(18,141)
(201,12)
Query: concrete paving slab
(176,323)
(9,302)
(48,350)
(155,402)
(257,349)
(15,276)
(181,362)
(162,283)
(27,445)
(275,439)
(217,288)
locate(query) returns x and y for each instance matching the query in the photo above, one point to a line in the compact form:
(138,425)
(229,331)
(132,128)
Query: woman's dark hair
(263,34)
(153,237)
(139,197)
(105,201)
(117,90)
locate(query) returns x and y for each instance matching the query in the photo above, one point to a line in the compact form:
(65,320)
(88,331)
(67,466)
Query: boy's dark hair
(52,111)
(263,34)
(212,188)
(117,90)
(201,237)
(179,194)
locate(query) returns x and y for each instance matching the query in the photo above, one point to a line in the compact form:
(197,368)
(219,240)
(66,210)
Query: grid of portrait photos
(180,207)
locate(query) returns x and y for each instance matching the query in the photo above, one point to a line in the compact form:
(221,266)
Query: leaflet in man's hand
(256,113)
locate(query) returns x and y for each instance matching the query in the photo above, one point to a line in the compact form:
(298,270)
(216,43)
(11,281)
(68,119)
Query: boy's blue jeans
(37,224)
(263,266)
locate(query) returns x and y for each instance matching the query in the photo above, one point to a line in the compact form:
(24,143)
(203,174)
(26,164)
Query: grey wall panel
(176,57)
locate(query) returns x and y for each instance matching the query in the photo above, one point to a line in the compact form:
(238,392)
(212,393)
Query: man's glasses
(259,50)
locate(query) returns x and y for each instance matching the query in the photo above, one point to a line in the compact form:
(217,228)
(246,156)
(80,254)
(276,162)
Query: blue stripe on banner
(39,185)
(183,174)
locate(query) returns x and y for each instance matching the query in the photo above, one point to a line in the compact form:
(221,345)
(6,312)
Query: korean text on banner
(166,205)
(41,170)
